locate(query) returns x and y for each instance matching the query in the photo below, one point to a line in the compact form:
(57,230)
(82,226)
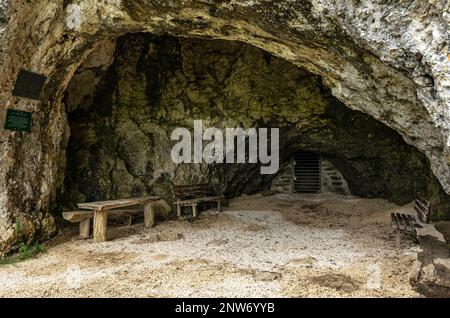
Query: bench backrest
(191,191)
(423,209)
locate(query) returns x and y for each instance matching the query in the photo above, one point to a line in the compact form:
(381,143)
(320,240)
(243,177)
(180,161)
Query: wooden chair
(193,194)
(409,221)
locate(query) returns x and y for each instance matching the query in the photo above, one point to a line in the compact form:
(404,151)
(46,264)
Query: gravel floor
(278,245)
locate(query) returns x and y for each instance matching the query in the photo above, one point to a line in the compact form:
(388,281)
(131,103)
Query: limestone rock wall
(389,59)
(122,112)
(332,179)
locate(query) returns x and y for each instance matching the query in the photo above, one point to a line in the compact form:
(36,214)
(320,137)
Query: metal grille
(306,172)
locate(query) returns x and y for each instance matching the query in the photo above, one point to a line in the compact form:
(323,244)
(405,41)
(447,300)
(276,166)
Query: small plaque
(18,120)
(29,85)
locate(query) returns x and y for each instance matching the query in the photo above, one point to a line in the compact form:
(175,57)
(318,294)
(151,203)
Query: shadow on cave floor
(263,245)
(444,228)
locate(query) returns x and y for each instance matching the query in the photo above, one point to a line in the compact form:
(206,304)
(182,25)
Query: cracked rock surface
(387,59)
(122,112)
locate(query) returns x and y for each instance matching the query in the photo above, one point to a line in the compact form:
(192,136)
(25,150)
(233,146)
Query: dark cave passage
(354,92)
(128,96)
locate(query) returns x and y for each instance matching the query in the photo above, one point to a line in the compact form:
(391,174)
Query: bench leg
(219,205)
(398,237)
(85,228)
(129,220)
(100,226)
(194,210)
(178,210)
(149,215)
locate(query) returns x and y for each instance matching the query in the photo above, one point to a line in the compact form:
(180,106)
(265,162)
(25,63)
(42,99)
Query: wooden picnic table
(101,209)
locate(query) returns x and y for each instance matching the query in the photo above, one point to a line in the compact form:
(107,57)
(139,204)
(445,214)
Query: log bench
(410,221)
(84,217)
(100,211)
(193,194)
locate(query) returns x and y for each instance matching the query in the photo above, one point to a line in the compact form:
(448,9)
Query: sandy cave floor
(279,245)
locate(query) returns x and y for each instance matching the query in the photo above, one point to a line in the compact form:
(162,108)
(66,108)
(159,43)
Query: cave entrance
(306,170)
(130,94)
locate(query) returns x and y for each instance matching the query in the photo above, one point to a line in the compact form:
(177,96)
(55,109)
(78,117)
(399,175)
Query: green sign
(18,120)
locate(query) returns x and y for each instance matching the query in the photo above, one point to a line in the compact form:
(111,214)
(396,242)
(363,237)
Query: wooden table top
(113,204)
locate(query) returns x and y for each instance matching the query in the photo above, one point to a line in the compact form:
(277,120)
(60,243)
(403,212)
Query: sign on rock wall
(18,120)
(29,84)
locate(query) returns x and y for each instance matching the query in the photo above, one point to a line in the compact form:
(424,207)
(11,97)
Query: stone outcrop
(123,105)
(431,271)
(387,59)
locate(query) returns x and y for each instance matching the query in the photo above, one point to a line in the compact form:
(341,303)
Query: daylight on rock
(219,149)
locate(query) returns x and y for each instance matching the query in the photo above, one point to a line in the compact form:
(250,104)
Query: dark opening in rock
(127,97)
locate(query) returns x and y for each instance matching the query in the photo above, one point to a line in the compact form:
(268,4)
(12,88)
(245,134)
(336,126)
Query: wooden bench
(410,221)
(100,211)
(84,217)
(193,194)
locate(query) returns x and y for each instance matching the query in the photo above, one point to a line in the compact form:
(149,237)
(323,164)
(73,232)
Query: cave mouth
(130,93)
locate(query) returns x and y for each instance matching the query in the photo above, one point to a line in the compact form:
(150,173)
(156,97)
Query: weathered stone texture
(389,59)
(121,119)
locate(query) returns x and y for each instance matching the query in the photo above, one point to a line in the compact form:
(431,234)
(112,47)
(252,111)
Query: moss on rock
(120,144)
